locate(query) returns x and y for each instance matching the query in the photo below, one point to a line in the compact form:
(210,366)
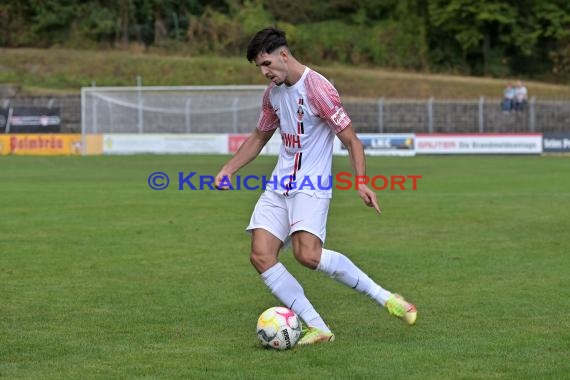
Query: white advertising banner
(273,146)
(500,143)
(374,144)
(165,143)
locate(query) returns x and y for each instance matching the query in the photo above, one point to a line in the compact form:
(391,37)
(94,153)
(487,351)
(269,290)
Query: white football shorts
(282,216)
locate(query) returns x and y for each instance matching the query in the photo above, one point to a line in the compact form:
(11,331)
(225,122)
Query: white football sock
(288,290)
(339,267)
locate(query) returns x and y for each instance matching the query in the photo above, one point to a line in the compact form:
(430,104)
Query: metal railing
(382,115)
(481,115)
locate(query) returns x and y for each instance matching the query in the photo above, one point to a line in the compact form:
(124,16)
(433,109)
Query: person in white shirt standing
(307,110)
(521,96)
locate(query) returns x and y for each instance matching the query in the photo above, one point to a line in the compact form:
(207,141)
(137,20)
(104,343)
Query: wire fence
(483,115)
(382,115)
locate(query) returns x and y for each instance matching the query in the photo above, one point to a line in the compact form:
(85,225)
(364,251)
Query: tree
(476,26)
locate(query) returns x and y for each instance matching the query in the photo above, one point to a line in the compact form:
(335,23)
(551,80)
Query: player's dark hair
(265,41)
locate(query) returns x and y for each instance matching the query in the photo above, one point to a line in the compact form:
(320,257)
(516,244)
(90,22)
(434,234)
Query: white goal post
(160,109)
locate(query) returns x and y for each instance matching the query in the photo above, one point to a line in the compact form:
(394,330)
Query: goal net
(190,109)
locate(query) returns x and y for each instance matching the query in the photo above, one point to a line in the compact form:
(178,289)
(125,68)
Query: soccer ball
(278,328)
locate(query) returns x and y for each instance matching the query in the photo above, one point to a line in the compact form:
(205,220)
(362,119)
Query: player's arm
(358,160)
(245,154)
(325,102)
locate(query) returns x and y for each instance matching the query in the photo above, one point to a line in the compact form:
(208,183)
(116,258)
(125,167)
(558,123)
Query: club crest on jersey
(300,110)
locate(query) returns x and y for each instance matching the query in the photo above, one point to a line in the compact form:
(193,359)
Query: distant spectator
(521,96)
(508,98)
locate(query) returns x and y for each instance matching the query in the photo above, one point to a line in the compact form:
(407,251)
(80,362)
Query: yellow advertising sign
(93,144)
(40,144)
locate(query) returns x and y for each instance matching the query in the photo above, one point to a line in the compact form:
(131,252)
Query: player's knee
(260,261)
(308,257)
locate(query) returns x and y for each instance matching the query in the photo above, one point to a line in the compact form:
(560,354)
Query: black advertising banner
(556,143)
(3,119)
(30,120)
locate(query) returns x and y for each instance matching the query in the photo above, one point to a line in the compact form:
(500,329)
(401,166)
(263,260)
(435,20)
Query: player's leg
(269,228)
(283,285)
(308,251)
(309,234)
(342,269)
(307,248)
(264,250)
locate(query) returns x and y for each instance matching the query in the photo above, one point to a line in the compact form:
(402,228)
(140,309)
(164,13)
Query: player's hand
(223,180)
(369,197)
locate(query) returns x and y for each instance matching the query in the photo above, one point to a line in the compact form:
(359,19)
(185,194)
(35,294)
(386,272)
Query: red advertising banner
(235,141)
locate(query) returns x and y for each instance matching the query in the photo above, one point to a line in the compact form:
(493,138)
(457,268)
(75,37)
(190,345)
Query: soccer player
(307,110)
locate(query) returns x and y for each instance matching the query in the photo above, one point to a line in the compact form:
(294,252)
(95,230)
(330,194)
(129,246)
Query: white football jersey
(308,114)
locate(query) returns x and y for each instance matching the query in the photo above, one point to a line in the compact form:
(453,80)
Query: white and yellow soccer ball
(278,328)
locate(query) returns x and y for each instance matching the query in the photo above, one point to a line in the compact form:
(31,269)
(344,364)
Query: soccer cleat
(313,335)
(402,309)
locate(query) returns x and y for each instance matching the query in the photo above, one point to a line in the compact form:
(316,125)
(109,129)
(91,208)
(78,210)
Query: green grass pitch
(103,278)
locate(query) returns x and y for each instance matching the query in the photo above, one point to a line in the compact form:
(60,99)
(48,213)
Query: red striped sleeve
(325,102)
(268,120)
